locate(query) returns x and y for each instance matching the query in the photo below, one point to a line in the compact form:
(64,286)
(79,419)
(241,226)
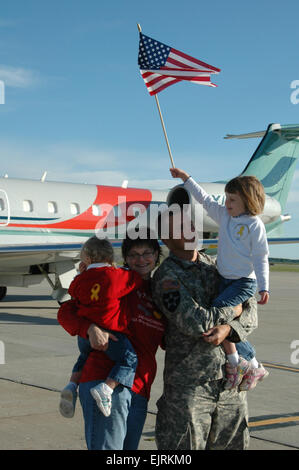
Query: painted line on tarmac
(280,367)
(289,446)
(273,421)
(20,382)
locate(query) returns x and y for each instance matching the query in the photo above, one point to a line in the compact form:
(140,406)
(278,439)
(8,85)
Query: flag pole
(164,130)
(161,118)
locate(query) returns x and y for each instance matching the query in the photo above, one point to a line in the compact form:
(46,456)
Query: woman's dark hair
(150,241)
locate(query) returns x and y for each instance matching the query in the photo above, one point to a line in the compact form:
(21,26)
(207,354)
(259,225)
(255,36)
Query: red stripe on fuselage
(105,195)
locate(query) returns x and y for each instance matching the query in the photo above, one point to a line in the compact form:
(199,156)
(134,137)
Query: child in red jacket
(98,290)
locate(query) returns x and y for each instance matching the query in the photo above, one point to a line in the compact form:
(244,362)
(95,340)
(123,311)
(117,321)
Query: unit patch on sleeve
(171,300)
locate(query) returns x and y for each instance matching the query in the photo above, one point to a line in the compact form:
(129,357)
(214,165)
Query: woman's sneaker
(68,398)
(252,377)
(103,398)
(234,375)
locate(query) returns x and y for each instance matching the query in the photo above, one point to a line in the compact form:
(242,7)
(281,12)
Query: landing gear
(60,292)
(3,291)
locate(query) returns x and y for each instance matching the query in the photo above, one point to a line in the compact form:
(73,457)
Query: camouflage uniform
(195,412)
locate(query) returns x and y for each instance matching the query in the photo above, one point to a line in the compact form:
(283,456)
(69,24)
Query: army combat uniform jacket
(194,369)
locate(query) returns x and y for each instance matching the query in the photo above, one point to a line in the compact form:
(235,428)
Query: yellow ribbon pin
(157,315)
(95,292)
(241,231)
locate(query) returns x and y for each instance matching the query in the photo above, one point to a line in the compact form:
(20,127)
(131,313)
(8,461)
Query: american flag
(162,66)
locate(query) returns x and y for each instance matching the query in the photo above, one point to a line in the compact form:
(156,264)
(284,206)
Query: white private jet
(44,224)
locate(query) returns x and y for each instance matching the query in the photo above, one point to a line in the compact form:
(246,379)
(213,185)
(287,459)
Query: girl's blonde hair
(251,192)
(98,250)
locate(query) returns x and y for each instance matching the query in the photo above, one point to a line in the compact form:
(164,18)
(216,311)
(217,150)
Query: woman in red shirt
(122,429)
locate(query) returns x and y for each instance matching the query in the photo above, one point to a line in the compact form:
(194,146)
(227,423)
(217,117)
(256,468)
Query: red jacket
(146,331)
(98,292)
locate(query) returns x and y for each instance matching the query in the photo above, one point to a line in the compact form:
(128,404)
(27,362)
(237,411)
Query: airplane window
(75,208)
(2,205)
(27,206)
(52,207)
(96,210)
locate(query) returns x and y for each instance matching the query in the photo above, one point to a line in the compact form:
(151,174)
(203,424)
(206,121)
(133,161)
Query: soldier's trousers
(202,417)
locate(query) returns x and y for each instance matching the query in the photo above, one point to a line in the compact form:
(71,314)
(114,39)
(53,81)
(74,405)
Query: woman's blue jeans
(123,428)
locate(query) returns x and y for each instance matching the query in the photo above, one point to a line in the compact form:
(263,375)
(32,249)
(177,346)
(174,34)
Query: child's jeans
(120,351)
(234,292)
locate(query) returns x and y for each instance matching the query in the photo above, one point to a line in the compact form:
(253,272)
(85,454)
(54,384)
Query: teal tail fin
(274,160)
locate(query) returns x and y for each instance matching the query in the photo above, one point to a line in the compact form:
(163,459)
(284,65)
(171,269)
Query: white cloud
(155,184)
(110,178)
(17,77)
(78,163)
(60,161)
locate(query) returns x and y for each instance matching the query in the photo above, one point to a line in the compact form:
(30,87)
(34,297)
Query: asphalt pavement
(36,358)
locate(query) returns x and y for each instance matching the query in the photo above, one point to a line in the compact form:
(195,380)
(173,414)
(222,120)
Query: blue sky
(76,105)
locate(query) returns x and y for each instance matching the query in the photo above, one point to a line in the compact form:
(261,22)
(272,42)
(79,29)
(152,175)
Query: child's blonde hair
(251,192)
(98,250)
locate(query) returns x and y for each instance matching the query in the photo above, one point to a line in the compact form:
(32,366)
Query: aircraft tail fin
(274,160)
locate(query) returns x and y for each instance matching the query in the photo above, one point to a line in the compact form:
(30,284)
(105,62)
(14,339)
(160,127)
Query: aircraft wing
(42,248)
(67,249)
(245,136)
(282,241)
(288,131)
(33,254)
(25,265)
(35,248)
(24,255)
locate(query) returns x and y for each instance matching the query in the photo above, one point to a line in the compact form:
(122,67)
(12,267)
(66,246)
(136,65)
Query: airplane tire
(3,291)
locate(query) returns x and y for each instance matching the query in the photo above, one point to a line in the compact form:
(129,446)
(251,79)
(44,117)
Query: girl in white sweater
(242,262)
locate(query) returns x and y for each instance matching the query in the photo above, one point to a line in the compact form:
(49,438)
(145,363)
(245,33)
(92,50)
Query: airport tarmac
(39,356)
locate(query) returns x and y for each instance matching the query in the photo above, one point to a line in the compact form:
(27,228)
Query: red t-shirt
(146,330)
(98,292)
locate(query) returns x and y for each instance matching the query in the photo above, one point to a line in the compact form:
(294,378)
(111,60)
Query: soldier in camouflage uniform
(195,412)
